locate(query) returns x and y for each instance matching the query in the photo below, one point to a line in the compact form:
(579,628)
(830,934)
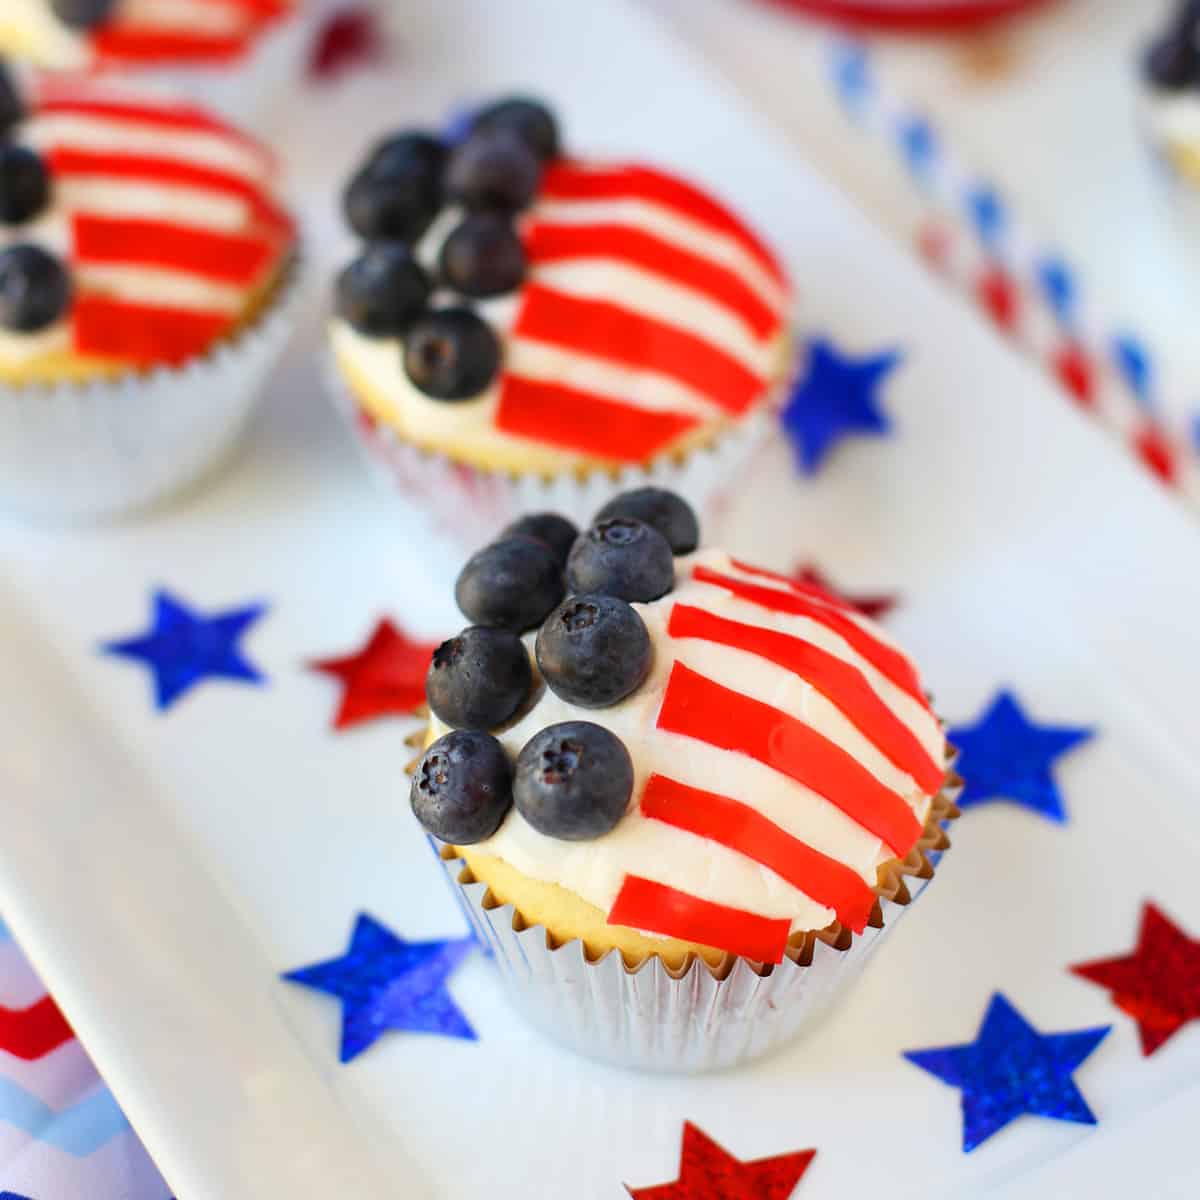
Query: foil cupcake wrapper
(84,452)
(472,504)
(699,1019)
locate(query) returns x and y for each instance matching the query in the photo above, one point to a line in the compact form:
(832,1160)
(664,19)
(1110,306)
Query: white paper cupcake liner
(473,504)
(654,1019)
(94,451)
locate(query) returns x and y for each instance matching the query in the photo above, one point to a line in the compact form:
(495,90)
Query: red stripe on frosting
(841,683)
(799,586)
(606,330)
(657,908)
(577,420)
(221,257)
(566,180)
(889,662)
(142,333)
(744,829)
(547,243)
(124,44)
(697,707)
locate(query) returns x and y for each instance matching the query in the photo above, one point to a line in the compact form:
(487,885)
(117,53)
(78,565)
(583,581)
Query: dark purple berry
(483,256)
(493,170)
(398,193)
(82,14)
(573,781)
(24,184)
(670,514)
(1173,63)
(451,354)
(593,651)
(479,679)
(555,531)
(621,557)
(11,108)
(462,787)
(511,584)
(382,291)
(35,290)
(529,119)
(409,150)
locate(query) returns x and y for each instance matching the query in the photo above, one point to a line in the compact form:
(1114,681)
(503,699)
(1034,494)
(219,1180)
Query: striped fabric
(793,679)
(649,309)
(149,31)
(169,216)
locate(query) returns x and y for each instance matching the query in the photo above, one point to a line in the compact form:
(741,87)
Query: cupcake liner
(699,1018)
(473,504)
(90,451)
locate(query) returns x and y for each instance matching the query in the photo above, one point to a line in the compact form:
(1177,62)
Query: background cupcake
(525,330)
(731,780)
(145,265)
(1171,70)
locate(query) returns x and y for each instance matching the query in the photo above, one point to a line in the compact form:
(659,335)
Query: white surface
(161,905)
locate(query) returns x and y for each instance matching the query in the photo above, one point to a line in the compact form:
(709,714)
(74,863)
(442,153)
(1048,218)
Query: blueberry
(511,584)
(670,514)
(621,557)
(555,531)
(398,193)
(479,679)
(382,291)
(82,14)
(529,119)
(593,651)
(483,256)
(573,781)
(11,108)
(24,184)
(462,787)
(1173,62)
(493,170)
(34,289)
(451,354)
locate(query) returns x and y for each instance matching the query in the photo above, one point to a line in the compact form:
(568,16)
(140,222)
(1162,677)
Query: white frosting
(1174,117)
(595,870)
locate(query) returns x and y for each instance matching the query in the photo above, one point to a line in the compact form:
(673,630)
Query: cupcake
(680,797)
(525,330)
(1171,108)
(145,272)
(232,55)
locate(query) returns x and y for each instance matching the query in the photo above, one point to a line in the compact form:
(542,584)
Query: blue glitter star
(387,983)
(1005,756)
(836,397)
(1011,1069)
(183,647)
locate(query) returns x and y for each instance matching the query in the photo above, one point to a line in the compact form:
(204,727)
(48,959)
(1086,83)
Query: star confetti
(1011,1069)
(835,398)
(351,38)
(1158,984)
(386,983)
(1005,756)
(876,605)
(184,647)
(708,1172)
(385,678)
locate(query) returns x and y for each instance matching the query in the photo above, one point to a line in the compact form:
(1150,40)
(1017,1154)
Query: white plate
(163,870)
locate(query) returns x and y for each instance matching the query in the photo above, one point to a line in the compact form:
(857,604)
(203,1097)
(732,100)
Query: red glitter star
(708,1172)
(350,38)
(1158,984)
(385,678)
(874,606)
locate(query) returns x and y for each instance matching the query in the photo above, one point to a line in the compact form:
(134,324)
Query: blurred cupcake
(525,330)
(145,279)
(234,56)
(1171,70)
(681,798)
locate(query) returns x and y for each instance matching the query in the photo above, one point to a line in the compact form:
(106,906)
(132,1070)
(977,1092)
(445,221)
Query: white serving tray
(162,870)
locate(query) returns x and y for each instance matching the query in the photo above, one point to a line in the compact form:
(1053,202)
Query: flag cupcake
(681,797)
(524,329)
(145,277)
(1171,107)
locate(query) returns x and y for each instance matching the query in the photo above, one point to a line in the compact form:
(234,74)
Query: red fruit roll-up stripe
(144,334)
(657,908)
(697,707)
(744,829)
(799,586)
(841,683)
(119,44)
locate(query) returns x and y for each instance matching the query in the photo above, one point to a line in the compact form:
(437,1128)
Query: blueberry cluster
(450,352)
(1173,61)
(35,289)
(572,780)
